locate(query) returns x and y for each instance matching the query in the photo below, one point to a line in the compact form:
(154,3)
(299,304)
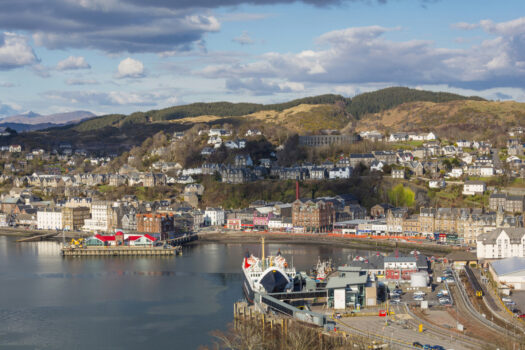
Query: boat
(322,270)
(269,274)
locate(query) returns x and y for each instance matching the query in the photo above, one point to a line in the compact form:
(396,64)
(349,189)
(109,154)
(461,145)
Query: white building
(509,272)
(371,135)
(377,165)
(340,173)
(49,219)
(214,217)
(464,143)
(501,243)
(100,217)
(486,171)
(215,140)
(279,224)
(398,173)
(253,132)
(437,183)
(15,148)
(455,172)
(471,188)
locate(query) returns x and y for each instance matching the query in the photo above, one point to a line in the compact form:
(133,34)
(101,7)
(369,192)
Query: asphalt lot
(431,294)
(397,329)
(519,298)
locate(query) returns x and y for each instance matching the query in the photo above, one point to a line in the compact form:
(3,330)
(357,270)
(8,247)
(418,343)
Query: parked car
(437,347)
(506,300)
(417,344)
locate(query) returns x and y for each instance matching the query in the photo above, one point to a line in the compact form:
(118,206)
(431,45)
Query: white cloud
(9,109)
(99,100)
(363,55)
(41,70)
(244,39)
(15,51)
(72,63)
(130,68)
(75,81)
(261,87)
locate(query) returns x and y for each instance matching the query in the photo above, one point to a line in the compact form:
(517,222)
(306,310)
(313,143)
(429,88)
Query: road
(495,159)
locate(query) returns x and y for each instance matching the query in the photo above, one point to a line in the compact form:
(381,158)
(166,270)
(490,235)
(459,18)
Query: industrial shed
(510,272)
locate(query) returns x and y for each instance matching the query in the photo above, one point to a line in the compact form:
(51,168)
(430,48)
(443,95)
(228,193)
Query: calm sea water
(51,302)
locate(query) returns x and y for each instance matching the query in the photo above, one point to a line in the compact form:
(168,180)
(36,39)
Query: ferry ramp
(291,311)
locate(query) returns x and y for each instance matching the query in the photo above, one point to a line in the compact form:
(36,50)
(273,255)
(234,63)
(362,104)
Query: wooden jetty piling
(120,251)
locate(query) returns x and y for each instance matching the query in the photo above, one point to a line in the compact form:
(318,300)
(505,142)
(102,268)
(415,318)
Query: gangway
(289,310)
(300,295)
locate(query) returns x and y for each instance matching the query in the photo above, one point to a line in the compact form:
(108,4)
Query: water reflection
(49,302)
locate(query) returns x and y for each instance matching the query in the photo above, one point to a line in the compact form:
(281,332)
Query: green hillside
(117,132)
(381,100)
(370,102)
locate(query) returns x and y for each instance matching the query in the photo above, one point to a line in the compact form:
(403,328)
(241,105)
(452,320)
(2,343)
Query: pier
(37,237)
(182,239)
(121,251)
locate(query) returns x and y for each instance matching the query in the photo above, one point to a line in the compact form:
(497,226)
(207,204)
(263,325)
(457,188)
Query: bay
(51,302)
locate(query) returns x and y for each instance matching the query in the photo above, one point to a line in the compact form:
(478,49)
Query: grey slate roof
(509,265)
(515,235)
(342,282)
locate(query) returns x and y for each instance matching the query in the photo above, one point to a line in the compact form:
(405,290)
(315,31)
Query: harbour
(153,299)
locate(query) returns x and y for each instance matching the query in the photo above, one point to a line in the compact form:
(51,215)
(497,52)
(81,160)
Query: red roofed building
(118,239)
(143,240)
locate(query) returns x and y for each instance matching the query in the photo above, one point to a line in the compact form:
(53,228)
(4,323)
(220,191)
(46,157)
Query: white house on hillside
(471,188)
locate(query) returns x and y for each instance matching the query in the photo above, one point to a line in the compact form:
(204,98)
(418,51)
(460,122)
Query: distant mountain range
(33,121)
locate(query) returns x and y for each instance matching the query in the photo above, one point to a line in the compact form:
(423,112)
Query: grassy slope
(469,119)
(117,132)
(301,119)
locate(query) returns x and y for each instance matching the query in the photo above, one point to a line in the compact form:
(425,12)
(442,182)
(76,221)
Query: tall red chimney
(296,189)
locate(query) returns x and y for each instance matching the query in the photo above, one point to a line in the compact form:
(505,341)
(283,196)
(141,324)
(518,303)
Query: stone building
(155,223)
(74,218)
(509,203)
(313,216)
(327,140)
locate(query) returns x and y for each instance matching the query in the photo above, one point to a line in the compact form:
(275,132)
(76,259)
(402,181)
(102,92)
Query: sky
(122,56)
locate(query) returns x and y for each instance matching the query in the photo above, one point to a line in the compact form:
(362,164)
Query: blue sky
(121,56)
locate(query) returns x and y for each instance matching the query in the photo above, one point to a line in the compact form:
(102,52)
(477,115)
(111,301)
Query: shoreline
(344,242)
(239,237)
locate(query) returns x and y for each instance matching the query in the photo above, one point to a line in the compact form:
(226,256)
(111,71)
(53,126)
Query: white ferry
(269,274)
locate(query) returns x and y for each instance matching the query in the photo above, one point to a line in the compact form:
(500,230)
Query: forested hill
(221,109)
(302,116)
(371,102)
(381,100)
